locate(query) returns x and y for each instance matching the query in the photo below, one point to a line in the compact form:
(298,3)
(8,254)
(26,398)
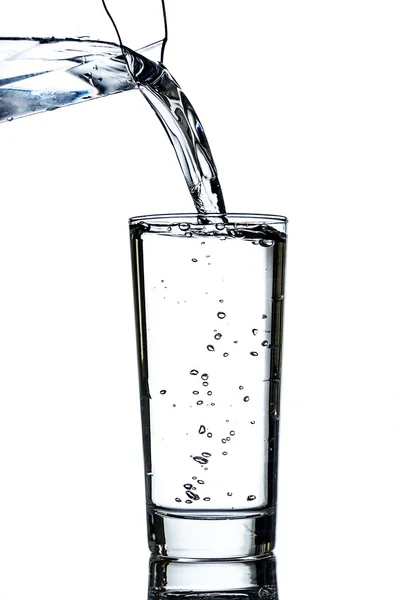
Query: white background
(72,519)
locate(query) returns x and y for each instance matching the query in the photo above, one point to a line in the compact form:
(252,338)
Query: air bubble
(221,315)
(188,234)
(202,429)
(195,392)
(267,243)
(192,496)
(232,433)
(204,376)
(200,460)
(210,348)
(174,405)
(178,500)
(194,477)
(228,439)
(199,402)
(251,497)
(212,403)
(254,331)
(221,301)
(187,486)
(223,440)
(205,383)
(235,342)
(264,316)
(224,453)
(229,494)
(207,499)
(252,422)
(254,353)
(200,481)
(225,354)
(220,226)
(264,343)
(246,398)
(184,226)
(209,393)
(206,454)
(194,259)
(188,501)
(194,372)
(209,435)
(241,387)
(163,392)
(218,336)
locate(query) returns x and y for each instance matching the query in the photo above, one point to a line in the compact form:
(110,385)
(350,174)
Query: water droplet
(252,422)
(210,348)
(207,499)
(218,336)
(195,392)
(220,226)
(225,354)
(194,372)
(246,398)
(264,343)
(184,226)
(221,301)
(194,259)
(204,376)
(232,433)
(188,234)
(229,494)
(263,316)
(202,429)
(251,497)
(187,486)
(188,501)
(221,315)
(163,392)
(192,496)
(241,387)
(199,402)
(224,453)
(200,481)
(205,383)
(209,393)
(228,439)
(223,440)
(178,500)
(209,435)
(254,331)
(200,460)
(206,454)
(254,353)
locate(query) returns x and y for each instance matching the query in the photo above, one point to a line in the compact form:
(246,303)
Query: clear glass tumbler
(209,310)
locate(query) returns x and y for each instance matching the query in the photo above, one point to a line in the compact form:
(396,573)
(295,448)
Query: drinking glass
(209,311)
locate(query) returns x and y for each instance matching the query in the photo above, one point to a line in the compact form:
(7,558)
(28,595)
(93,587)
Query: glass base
(250,579)
(212,537)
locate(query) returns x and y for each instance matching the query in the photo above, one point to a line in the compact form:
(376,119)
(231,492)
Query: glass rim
(246,217)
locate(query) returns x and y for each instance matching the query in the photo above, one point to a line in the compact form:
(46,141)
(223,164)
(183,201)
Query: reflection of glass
(209,309)
(253,579)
